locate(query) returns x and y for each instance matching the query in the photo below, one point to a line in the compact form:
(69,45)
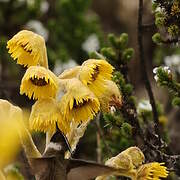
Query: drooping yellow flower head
(28,48)
(110,97)
(70,73)
(44,115)
(126,163)
(9,128)
(78,102)
(152,171)
(39,82)
(93,73)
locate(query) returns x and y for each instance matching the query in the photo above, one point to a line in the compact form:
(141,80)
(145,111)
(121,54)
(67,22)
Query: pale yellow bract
(9,129)
(78,103)
(110,97)
(39,82)
(93,74)
(70,73)
(28,49)
(44,116)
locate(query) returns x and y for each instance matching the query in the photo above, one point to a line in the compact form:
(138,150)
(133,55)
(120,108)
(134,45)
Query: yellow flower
(39,82)
(126,163)
(28,48)
(163,120)
(44,115)
(152,171)
(70,73)
(78,102)
(110,97)
(9,128)
(93,73)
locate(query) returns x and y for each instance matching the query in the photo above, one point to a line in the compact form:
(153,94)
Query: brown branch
(148,27)
(144,69)
(101,134)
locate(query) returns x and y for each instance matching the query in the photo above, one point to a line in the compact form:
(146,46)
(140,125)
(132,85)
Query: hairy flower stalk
(78,103)
(77,131)
(28,49)
(38,83)
(93,74)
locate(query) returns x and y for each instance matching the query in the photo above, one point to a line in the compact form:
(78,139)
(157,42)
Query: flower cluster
(129,163)
(76,95)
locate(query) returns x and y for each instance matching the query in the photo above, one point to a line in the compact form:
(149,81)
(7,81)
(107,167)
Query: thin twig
(101,134)
(170,41)
(144,69)
(99,152)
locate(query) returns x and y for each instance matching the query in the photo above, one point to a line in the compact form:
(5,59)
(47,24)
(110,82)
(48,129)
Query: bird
(53,166)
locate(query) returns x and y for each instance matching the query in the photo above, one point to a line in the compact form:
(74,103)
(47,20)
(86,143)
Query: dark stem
(148,27)
(144,69)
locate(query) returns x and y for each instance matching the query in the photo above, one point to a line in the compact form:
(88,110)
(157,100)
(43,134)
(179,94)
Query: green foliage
(176,101)
(12,172)
(164,78)
(109,53)
(126,130)
(127,54)
(157,39)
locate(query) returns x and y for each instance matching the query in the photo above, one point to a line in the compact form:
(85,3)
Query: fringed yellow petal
(28,49)
(70,73)
(78,102)
(39,82)
(93,73)
(9,129)
(110,97)
(152,171)
(44,115)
